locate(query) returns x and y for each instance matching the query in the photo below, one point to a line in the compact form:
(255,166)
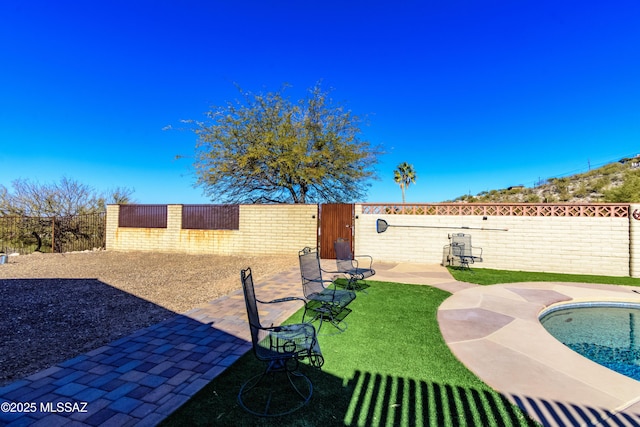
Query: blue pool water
(607,333)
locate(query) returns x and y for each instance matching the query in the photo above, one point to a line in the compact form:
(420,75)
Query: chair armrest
(369,257)
(326,284)
(279,300)
(336,275)
(330,272)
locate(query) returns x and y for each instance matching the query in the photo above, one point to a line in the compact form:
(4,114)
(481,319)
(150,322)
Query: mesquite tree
(267,149)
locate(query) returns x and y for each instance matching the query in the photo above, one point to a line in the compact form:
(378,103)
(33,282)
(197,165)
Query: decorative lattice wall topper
(601,210)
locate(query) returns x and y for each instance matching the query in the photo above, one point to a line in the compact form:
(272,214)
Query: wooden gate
(336,221)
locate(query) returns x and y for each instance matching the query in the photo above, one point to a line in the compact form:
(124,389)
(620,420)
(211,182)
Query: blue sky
(477,95)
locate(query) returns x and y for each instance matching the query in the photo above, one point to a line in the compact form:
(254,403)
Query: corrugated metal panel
(211,217)
(143,216)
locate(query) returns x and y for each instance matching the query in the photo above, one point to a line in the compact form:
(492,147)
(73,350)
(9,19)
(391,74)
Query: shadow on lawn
(365,400)
(387,400)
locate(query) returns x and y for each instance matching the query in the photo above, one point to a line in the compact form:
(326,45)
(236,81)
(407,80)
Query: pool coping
(495,331)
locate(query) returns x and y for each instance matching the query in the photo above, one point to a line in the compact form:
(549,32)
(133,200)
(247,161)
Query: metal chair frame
(350,265)
(322,298)
(281,348)
(460,248)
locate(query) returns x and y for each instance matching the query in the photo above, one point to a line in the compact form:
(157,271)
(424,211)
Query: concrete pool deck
(495,332)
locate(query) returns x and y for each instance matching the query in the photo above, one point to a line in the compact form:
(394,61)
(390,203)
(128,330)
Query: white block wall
(277,229)
(580,245)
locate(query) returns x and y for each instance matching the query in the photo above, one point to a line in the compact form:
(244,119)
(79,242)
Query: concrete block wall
(144,239)
(590,244)
(580,245)
(111,228)
(263,229)
(277,229)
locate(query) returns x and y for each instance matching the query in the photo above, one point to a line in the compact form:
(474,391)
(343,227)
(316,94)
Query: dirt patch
(57,306)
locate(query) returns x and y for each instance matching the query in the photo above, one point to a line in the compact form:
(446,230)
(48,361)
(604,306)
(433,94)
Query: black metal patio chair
(350,265)
(323,299)
(282,388)
(461,250)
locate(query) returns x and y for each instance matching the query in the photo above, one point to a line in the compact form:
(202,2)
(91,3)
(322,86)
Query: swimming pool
(606,332)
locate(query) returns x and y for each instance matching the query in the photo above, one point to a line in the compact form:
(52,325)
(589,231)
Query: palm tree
(404,175)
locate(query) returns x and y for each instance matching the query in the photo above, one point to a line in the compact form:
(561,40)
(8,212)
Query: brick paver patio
(142,378)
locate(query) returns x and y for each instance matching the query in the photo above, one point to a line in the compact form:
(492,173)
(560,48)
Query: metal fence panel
(211,217)
(25,235)
(79,232)
(143,216)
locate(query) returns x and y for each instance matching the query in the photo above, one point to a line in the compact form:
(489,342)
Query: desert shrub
(532,198)
(600,184)
(581,191)
(627,192)
(611,168)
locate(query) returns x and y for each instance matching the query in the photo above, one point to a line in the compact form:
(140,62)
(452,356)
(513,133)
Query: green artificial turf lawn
(391,367)
(487,276)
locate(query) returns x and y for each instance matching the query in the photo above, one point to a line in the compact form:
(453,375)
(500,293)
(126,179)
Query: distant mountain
(617,182)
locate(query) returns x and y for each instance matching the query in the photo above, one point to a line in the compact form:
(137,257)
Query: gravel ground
(56,306)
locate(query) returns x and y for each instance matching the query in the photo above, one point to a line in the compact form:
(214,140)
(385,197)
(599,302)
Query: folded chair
(323,299)
(461,250)
(281,389)
(351,266)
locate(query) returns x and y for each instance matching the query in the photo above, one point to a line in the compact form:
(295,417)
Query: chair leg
(269,395)
(355,284)
(334,315)
(340,325)
(330,313)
